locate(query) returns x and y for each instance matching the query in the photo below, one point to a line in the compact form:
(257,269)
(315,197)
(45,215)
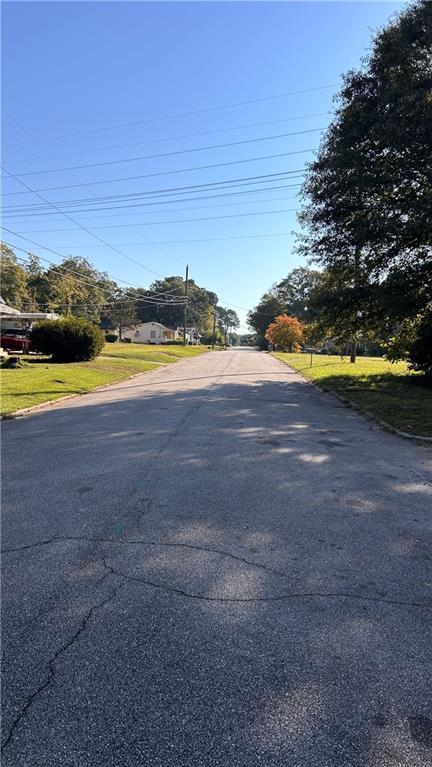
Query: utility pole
(185,306)
(214,328)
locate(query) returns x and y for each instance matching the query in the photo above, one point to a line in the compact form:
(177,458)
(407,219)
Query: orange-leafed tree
(286,333)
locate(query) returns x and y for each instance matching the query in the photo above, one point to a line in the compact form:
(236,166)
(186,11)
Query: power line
(176,301)
(88,191)
(184,242)
(84,228)
(178,221)
(160,173)
(258,179)
(179,114)
(170,154)
(168,138)
(54,252)
(38,213)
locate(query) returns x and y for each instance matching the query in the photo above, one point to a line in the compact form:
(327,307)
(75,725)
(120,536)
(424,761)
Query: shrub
(286,333)
(111,338)
(68,340)
(420,350)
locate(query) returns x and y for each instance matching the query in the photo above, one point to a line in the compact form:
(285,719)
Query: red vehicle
(15,341)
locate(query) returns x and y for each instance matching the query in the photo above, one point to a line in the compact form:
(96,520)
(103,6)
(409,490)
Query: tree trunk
(120,331)
(353,354)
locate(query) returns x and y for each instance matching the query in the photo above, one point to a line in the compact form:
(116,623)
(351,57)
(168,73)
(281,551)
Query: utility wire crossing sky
(167,75)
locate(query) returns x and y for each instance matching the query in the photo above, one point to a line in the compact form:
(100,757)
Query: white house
(151,333)
(193,336)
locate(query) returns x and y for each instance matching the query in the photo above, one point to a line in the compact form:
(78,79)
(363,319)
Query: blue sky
(88,80)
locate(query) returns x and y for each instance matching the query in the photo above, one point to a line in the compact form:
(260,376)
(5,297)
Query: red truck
(15,341)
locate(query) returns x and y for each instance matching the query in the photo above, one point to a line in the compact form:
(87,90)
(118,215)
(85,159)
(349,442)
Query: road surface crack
(52,661)
(139,542)
(279,597)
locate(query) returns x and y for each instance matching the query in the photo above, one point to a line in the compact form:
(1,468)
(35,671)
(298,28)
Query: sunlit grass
(389,391)
(39,380)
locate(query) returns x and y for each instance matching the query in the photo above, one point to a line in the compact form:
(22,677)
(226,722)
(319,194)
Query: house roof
(7,311)
(151,323)
(39,316)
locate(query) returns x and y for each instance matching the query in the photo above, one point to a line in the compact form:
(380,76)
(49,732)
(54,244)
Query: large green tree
(260,317)
(295,292)
(121,312)
(368,195)
(227,320)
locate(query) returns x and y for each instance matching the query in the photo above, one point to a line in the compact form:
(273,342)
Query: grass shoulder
(38,380)
(386,390)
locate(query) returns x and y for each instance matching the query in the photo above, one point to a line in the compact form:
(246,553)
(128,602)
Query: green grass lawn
(386,390)
(39,380)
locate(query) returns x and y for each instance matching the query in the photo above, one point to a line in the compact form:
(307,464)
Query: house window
(152,334)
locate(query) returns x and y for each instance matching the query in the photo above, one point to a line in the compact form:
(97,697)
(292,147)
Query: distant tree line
(75,288)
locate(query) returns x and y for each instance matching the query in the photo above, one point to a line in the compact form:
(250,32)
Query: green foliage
(368,195)
(420,350)
(295,292)
(111,338)
(13,278)
(227,319)
(122,310)
(314,335)
(234,339)
(397,346)
(269,307)
(200,307)
(67,340)
(261,342)
(292,296)
(248,339)
(75,288)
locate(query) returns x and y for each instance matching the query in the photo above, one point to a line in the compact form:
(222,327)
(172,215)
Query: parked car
(15,341)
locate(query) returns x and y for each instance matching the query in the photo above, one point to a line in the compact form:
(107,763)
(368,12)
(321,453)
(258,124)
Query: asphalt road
(215,564)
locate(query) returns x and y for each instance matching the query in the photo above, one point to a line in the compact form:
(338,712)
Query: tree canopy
(367,197)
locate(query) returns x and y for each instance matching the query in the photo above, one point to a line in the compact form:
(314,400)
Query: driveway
(215,564)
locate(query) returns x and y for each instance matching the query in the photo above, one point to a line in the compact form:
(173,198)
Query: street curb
(384,425)
(387,426)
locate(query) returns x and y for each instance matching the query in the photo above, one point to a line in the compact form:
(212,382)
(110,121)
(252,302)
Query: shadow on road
(268,556)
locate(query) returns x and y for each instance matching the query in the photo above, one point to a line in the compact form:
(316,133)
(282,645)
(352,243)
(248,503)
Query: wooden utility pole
(185,306)
(214,327)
